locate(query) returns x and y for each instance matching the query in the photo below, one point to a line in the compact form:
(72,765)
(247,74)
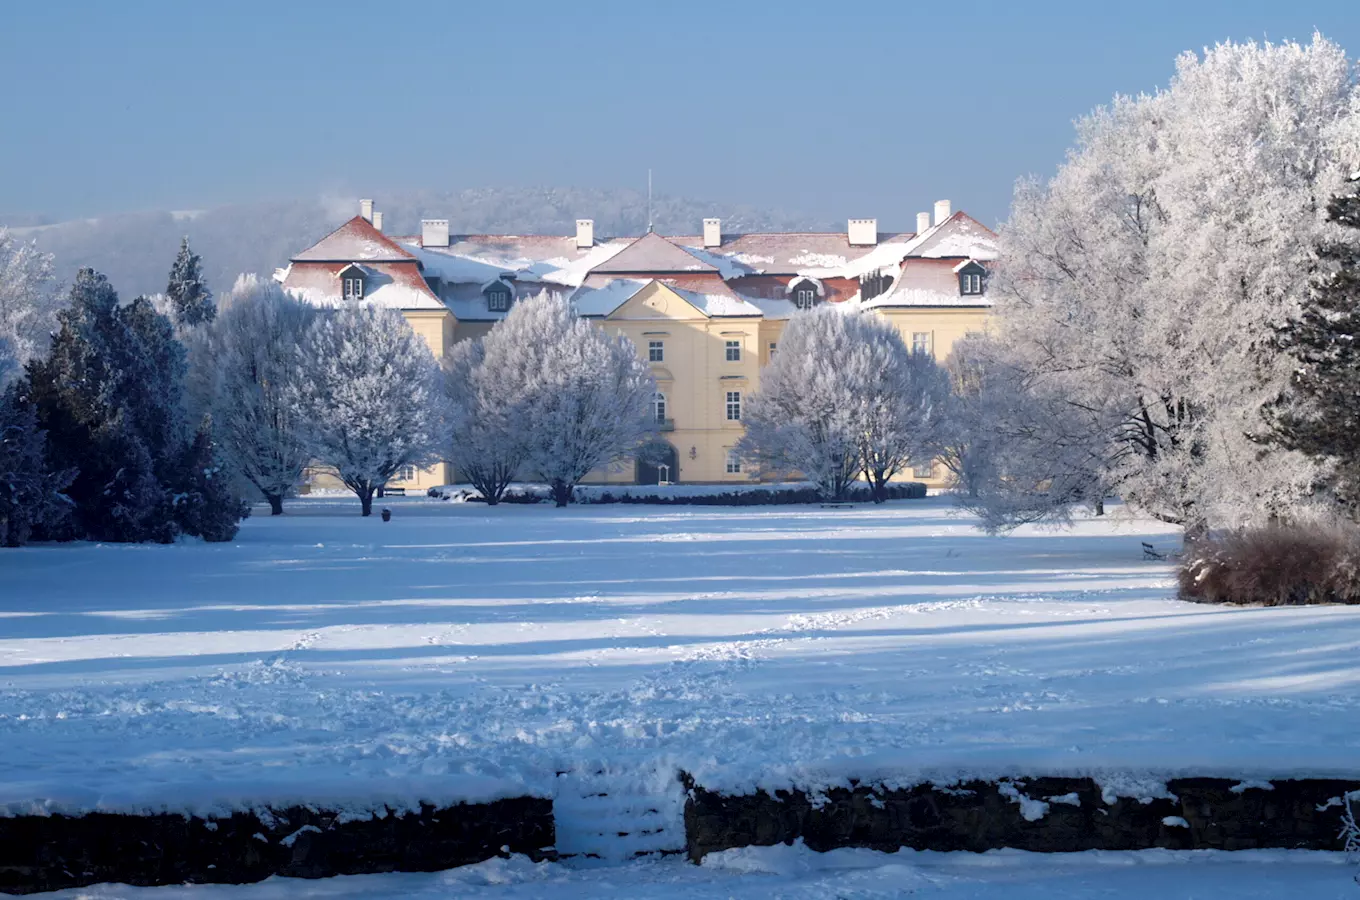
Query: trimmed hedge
(745,496)
(1278,565)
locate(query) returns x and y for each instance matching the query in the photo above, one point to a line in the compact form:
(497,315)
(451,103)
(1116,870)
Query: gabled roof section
(960,236)
(602,299)
(652,253)
(355,241)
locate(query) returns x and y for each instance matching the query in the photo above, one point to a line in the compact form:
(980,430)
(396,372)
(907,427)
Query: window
(923,469)
(970,283)
(773,346)
(734,406)
(733,463)
(354,289)
(498,299)
(405,473)
(659,406)
(656,351)
(734,351)
(920,342)
(805,297)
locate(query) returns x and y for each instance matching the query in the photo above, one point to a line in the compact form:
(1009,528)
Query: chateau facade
(705,310)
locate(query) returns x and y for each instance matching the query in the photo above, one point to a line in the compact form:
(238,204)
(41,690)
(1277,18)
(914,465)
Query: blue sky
(850,108)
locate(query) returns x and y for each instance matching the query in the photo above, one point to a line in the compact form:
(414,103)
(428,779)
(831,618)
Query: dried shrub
(1278,565)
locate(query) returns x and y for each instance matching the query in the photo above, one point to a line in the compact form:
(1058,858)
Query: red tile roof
(355,241)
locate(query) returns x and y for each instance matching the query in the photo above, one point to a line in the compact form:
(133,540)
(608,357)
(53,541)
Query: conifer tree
(189,296)
(1319,414)
(30,495)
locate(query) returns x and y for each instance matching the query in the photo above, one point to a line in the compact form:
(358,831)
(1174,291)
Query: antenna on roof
(649,201)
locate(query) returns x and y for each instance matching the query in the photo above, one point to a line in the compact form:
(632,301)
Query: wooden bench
(838,506)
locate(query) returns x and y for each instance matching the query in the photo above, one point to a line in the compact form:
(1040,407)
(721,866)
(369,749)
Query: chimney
(922,222)
(862,232)
(366,209)
(434,232)
(712,232)
(585,234)
(377,220)
(942,211)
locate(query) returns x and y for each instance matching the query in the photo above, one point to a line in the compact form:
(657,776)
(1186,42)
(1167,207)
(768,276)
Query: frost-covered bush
(1275,565)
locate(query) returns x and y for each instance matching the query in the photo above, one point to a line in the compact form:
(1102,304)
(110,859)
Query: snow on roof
(960,235)
(604,298)
(653,253)
(389,285)
(926,282)
(795,253)
(547,258)
(355,241)
(716,301)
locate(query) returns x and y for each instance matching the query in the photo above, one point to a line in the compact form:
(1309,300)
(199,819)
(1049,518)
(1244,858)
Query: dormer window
(354,288)
(805,297)
(498,298)
(971,279)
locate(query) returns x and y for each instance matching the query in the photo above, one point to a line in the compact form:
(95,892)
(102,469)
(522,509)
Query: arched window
(659,406)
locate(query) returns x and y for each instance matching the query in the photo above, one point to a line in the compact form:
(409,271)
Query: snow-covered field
(463,652)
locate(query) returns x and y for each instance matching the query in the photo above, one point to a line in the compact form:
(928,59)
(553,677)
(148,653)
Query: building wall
(695,374)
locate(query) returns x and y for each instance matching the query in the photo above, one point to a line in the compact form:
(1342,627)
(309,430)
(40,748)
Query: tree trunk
(275,504)
(561,492)
(366,501)
(1100,506)
(382,492)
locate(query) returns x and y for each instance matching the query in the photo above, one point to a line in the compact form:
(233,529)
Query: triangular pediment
(653,254)
(656,301)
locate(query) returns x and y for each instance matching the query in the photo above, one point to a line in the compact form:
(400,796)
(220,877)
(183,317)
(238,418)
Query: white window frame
(732,351)
(405,473)
(920,342)
(774,345)
(659,406)
(354,288)
(804,297)
(733,466)
(924,469)
(656,351)
(734,406)
(498,300)
(972,283)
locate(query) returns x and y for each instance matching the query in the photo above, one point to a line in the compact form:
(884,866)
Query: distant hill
(135,250)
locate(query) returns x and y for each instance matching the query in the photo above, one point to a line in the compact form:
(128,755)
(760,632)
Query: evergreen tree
(30,495)
(1319,414)
(110,395)
(206,505)
(189,295)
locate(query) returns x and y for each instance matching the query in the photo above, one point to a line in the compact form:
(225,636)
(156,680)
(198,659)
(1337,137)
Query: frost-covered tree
(188,293)
(844,397)
(1137,290)
(581,398)
(902,402)
(372,402)
(28,297)
(485,415)
(243,366)
(1320,415)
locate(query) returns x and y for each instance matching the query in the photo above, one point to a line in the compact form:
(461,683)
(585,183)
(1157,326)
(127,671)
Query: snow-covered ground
(795,873)
(464,652)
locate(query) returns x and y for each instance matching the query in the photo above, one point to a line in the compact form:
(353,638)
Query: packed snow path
(589,653)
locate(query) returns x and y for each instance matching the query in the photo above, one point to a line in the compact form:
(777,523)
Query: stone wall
(1040,814)
(45,853)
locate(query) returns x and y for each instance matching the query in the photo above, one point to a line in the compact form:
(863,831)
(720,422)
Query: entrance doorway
(657,463)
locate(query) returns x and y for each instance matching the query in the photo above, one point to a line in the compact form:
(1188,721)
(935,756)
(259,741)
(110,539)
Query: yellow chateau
(705,310)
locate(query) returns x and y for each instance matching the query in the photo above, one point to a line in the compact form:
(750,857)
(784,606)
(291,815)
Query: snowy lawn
(460,651)
(795,873)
